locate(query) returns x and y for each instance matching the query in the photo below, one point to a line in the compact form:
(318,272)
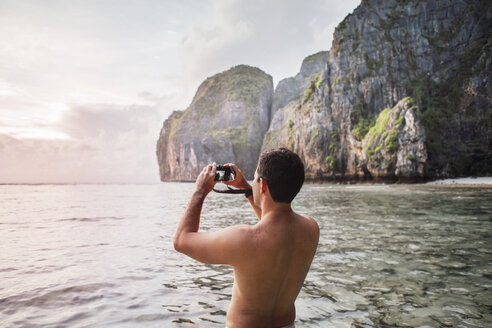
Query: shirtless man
(271,258)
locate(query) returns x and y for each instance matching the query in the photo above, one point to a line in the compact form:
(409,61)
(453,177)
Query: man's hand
(239,180)
(205,181)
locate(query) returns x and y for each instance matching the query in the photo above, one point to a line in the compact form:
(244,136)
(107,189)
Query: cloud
(149,96)
(107,144)
(108,52)
(272,35)
(24,117)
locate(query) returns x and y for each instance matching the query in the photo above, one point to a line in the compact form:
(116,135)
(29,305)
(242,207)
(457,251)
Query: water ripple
(102,255)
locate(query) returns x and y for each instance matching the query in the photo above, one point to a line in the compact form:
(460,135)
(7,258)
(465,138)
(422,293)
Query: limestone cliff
(438,53)
(405,93)
(293,88)
(225,122)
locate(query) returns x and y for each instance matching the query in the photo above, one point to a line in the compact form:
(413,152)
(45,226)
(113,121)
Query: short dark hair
(283,172)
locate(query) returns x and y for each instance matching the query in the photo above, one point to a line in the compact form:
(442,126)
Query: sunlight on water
(102,255)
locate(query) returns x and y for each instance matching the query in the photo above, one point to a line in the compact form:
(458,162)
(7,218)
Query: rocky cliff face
(404,93)
(438,53)
(225,123)
(293,88)
(395,145)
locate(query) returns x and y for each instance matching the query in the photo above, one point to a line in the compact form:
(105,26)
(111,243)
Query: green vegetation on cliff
(362,127)
(312,89)
(361,120)
(383,135)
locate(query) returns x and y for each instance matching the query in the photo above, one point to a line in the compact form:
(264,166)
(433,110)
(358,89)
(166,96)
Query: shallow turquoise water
(102,255)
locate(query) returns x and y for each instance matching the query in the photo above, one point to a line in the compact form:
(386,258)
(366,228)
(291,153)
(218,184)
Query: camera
(224,173)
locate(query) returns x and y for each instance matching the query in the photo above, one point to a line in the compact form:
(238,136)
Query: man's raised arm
(219,247)
(190,222)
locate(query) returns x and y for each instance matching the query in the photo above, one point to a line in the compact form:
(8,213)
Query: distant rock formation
(225,122)
(293,88)
(405,93)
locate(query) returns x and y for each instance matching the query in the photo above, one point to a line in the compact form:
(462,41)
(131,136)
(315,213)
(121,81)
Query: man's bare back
(270,259)
(268,278)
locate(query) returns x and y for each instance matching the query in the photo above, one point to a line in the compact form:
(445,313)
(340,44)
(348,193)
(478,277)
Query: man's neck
(269,207)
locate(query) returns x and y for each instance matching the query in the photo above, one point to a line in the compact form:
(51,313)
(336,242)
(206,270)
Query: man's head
(283,172)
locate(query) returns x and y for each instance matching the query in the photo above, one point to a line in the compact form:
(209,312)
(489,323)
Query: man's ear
(263,185)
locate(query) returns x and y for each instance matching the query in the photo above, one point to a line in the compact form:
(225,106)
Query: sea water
(103,256)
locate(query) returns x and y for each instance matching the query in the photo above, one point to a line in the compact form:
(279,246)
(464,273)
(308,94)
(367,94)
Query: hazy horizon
(85,86)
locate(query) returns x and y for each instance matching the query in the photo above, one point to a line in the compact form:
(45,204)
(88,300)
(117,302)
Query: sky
(85,85)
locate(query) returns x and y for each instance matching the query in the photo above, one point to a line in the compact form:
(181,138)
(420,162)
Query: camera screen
(224,173)
(221,175)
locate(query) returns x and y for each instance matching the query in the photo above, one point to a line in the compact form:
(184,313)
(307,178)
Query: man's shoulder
(308,219)
(310,223)
(238,230)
